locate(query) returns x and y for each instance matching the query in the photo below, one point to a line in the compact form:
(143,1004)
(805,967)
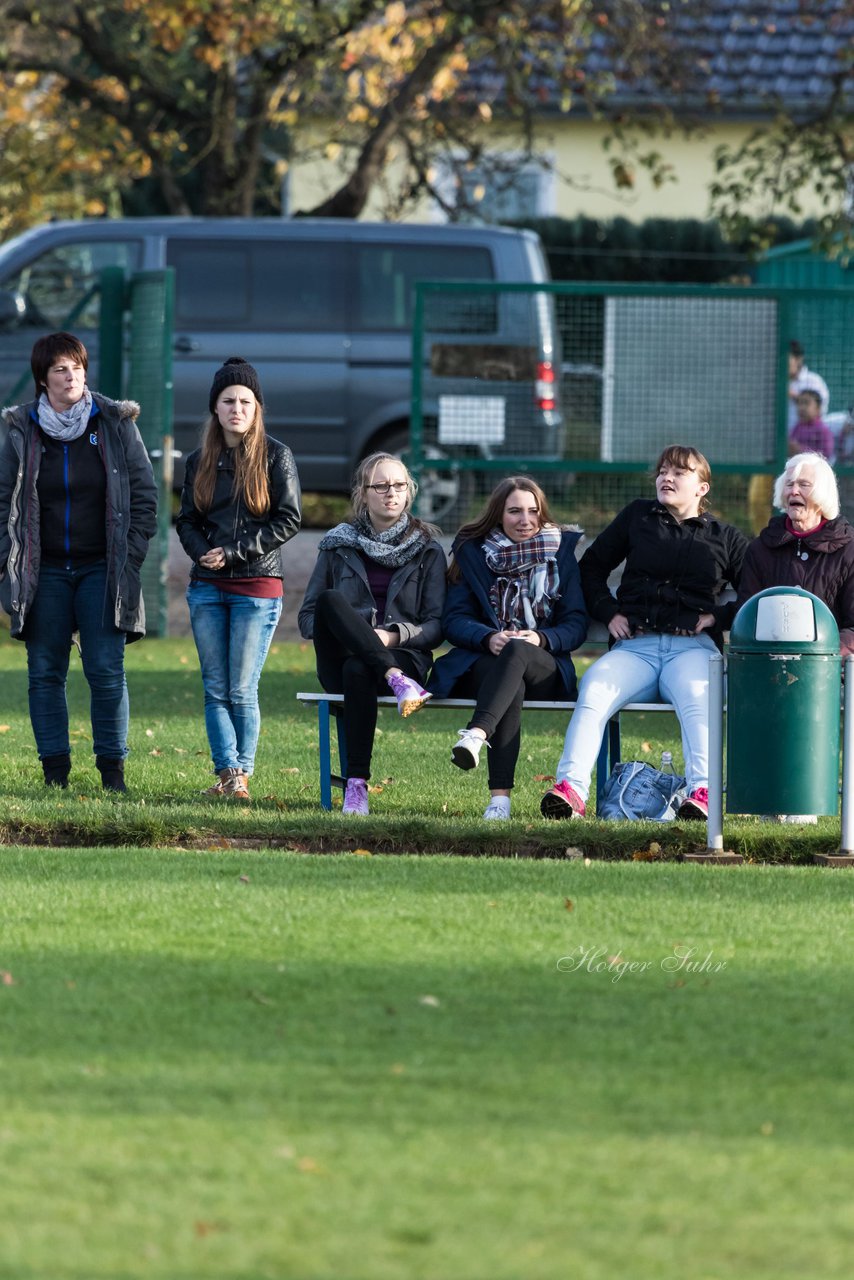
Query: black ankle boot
(112,773)
(56,770)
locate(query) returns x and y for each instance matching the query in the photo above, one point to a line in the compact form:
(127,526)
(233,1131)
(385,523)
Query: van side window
(386,276)
(53,284)
(300,286)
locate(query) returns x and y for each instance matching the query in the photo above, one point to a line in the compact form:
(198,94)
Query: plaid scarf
(526,577)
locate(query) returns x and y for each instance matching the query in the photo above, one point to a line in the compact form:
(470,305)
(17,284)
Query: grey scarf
(392,547)
(68,425)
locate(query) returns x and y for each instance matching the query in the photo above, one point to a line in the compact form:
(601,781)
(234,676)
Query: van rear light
(544,388)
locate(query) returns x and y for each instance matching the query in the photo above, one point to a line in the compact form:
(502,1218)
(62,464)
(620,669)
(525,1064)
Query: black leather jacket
(251,543)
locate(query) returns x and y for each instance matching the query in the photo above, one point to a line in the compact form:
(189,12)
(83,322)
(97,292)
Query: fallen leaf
(307,1165)
(183,659)
(375,791)
(4,728)
(149,733)
(569,904)
(363,853)
(544,777)
(244,879)
(7,979)
(203,1229)
(646,747)
(292,770)
(155,751)
(614,960)
(431,1001)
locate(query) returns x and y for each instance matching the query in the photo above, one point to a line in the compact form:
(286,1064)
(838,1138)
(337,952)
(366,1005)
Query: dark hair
(795,349)
(47,350)
(493,512)
(686,458)
(810,391)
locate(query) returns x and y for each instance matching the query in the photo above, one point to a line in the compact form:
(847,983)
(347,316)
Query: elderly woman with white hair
(810,545)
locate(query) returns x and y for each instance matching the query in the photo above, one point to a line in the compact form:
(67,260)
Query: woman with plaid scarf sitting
(515,612)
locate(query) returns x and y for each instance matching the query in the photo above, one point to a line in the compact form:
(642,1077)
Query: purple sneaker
(410,696)
(356,797)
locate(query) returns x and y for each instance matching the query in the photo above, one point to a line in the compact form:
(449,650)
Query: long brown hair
(493,513)
(251,482)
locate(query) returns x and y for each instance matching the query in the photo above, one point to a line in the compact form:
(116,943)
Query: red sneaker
(562,801)
(696,807)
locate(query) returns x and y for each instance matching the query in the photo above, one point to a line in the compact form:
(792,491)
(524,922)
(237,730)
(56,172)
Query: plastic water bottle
(667,763)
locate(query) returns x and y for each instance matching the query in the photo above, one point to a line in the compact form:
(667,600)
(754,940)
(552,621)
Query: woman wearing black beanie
(240,503)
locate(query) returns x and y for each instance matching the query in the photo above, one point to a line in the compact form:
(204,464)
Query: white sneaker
(498,809)
(465,753)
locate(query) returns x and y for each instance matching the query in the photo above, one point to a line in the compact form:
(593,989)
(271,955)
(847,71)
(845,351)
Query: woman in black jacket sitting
(240,504)
(373,607)
(664,624)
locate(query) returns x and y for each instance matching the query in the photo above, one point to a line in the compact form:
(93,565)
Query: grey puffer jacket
(250,543)
(131,510)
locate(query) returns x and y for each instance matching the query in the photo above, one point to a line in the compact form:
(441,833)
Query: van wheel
(444,497)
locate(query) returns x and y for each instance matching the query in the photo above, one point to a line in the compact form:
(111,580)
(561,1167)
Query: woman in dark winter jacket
(78,506)
(664,624)
(240,504)
(810,545)
(373,607)
(515,612)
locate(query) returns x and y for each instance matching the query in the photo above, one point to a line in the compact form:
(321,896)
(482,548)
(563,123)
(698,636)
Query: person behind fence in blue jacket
(78,507)
(514,612)
(373,607)
(665,622)
(239,505)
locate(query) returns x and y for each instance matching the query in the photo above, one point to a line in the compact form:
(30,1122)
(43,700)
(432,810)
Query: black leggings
(500,683)
(352,660)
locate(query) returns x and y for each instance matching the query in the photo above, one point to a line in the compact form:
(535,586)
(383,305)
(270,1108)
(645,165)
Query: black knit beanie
(236,372)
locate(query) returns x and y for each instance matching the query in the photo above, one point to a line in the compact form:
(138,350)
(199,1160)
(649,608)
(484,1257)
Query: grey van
(323,308)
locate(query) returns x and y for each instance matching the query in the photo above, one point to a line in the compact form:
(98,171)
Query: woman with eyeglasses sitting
(373,608)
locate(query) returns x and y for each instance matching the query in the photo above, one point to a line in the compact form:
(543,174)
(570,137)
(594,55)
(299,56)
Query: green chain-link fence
(583,385)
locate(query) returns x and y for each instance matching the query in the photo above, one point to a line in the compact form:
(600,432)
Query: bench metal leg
(325,757)
(609,755)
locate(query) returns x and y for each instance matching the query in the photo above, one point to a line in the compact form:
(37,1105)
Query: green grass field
(419,802)
(252,1065)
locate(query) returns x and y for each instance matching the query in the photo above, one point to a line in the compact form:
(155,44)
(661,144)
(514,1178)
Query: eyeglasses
(399,486)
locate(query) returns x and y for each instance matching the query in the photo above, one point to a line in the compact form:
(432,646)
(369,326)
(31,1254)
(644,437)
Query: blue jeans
(644,669)
(233,635)
(69,600)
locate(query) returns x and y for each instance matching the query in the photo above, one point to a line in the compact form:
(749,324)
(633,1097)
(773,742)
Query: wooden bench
(331,704)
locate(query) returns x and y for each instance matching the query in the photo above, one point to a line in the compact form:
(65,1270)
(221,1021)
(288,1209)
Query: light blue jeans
(233,635)
(644,669)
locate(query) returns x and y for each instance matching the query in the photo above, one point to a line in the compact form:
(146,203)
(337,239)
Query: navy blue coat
(468,619)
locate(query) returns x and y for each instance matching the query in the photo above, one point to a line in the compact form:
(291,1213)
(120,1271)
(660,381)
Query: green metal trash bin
(784,687)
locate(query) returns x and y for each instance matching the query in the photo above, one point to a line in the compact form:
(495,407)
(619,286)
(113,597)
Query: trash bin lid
(784,620)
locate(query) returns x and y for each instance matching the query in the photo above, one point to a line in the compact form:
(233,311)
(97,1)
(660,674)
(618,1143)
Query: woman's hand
(389,638)
(846,641)
(619,627)
(213,559)
(704,623)
(530,637)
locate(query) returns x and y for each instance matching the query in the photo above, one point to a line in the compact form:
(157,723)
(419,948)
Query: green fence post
(152,295)
(111,335)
